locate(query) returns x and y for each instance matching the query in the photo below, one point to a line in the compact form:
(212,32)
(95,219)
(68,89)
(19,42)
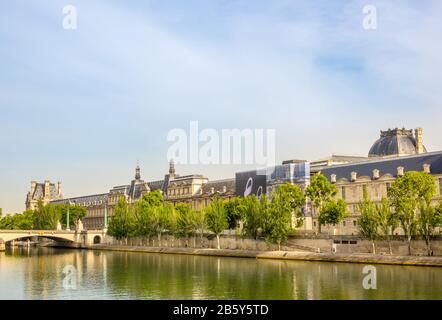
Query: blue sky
(83,106)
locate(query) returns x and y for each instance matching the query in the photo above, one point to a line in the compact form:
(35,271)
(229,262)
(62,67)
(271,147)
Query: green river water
(47,273)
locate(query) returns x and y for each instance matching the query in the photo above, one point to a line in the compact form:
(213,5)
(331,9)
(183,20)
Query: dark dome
(394,142)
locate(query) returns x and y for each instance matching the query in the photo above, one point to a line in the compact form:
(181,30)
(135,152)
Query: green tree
(294,197)
(18,221)
(407,194)
(145,219)
(333,212)
(199,221)
(235,211)
(122,223)
(429,219)
(184,224)
(368,222)
(76,213)
(255,212)
(217,218)
(387,221)
(154,198)
(47,216)
(287,201)
(166,219)
(319,192)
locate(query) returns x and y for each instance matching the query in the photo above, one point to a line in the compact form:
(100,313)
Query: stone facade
(45,191)
(375,177)
(394,153)
(193,189)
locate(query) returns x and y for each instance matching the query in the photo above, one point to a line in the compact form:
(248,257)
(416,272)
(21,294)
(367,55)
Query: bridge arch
(10,235)
(97,239)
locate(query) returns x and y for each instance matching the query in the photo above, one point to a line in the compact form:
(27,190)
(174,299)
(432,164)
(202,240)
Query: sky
(83,106)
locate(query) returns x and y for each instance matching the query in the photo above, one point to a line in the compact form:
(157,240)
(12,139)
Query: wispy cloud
(82,106)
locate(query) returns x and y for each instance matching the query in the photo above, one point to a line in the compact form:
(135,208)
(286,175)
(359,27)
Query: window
(354,223)
(343,223)
(314,223)
(343,192)
(388,186)
(364,189)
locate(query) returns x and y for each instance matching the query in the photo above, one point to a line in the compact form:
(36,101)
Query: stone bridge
(74,238)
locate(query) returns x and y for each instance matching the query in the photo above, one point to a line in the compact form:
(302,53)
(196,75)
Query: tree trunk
(409,245)
(159,239)
(373,247)
(427,241)
(217,241)
(390,250)
(279,245)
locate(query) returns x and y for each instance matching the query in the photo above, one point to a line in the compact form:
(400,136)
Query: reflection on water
(37,273)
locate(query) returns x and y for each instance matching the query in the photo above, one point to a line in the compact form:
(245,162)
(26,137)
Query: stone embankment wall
(312,244)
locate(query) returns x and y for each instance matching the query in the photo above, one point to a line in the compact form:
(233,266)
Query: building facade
(46,192)
(195,189)
(394,153)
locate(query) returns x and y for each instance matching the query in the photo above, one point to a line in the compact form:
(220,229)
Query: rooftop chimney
(59,189)
(353,176)
(419,140)
(375,174)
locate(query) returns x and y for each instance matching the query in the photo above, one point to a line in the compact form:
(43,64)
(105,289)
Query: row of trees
(408,205)
(44,217)
(151,216)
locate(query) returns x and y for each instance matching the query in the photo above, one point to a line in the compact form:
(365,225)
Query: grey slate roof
(218,186)
(388,166)
(86,201)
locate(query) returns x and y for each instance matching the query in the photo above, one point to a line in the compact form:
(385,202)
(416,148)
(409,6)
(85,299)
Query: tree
(406,194)
(122,223)
(255,212)
(320,191)
(387,221)
(145,219)
(217,218)
(154,198)
(235,211)
(333,212)
(18,221)
(199,221)
(294,197)
(429,219)
(76,213)
(184,224)
(47,216)
(166,219)
(287,200)
(368,222)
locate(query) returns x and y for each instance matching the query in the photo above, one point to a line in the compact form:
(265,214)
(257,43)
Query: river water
(47,273)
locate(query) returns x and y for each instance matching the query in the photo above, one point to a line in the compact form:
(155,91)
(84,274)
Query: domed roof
(394,142)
